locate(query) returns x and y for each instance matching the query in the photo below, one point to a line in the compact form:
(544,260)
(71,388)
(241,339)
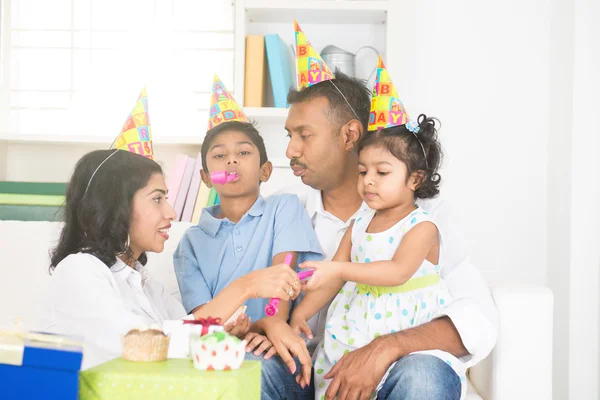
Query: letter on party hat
(310,66)
(223,107)
(386,108)
(136,135)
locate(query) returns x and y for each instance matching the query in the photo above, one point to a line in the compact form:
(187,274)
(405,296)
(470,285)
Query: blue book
(280,68)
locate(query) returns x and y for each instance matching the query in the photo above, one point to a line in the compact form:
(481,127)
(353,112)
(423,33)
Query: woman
(117,210)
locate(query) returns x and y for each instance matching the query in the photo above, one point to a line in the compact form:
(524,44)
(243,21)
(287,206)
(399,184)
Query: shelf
(267,115)
(90,140)
(317,12)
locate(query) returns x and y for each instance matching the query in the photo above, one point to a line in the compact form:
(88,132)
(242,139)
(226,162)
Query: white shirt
(89,300)
(473,311)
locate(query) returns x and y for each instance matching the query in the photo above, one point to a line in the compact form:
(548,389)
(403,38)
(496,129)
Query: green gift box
(170,379)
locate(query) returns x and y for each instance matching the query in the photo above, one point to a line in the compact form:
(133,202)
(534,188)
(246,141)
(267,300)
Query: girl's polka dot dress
(360,313)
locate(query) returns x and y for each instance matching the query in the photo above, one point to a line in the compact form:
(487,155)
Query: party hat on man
(310,67)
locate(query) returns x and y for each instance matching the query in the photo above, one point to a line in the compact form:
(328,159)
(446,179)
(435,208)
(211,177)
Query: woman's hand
(277,281)
(239,327)
(326,275)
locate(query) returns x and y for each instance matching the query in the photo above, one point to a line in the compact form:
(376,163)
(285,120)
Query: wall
(585,205)
(559,183)
(482,68)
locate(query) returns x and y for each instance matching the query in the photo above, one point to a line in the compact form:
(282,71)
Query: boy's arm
(283,309)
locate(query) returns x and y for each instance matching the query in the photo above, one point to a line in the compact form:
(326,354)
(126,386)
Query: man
(324,123)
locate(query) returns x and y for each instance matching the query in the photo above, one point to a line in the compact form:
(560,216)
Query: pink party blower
(222,177)
(271,307)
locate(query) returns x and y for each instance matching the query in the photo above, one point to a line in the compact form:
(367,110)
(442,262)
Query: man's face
(317,151)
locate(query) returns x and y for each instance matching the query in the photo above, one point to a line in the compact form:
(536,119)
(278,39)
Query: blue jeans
(421,376)
(414,377)
(277,383)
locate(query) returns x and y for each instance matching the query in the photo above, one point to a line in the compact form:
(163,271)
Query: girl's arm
(415,247)
(316,300)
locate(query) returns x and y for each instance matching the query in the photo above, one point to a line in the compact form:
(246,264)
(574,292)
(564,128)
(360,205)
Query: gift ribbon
(12,344)
(205,322)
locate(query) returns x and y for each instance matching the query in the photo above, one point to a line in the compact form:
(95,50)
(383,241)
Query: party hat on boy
(136,135)
(223,107)
(310,66)
(386,108)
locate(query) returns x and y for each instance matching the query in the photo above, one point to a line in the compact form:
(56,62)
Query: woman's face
(151,217)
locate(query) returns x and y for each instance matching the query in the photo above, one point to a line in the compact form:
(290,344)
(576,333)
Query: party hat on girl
(386,108)
(310,66)
(223,107)
(136,135)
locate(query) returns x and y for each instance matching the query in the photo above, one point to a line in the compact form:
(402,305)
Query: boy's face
(233,151)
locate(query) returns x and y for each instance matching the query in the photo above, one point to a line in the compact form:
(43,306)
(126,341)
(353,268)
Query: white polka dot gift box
(218,351)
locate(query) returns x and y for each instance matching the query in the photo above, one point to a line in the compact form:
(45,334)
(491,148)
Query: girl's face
(233,151)
(151,217)
(383,182)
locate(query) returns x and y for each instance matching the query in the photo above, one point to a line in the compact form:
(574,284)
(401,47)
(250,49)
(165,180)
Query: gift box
(171,379)
(179,331)
(39,366)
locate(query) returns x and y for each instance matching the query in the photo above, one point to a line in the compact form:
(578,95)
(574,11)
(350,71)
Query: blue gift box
(39,366)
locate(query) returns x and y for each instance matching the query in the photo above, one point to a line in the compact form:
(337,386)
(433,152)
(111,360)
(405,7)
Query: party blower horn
(271,307)
(222,177)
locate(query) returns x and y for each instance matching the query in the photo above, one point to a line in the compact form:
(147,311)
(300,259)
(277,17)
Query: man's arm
(467,328)
(440,334)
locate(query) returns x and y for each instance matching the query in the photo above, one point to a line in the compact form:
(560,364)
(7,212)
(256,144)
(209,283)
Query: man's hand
(288,344)
(357,374)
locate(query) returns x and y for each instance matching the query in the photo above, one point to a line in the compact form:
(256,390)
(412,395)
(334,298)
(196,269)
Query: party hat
(223,107)
(136,135)
(310,66)
(386,108)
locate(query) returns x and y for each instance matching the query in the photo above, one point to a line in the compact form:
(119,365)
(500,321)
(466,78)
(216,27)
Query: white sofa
(520,367)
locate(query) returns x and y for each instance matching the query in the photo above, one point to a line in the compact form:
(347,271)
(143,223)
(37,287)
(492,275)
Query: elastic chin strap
(96,170)
(344,97)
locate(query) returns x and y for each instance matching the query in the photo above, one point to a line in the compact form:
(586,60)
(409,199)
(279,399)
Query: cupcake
(217,351)
(145,345)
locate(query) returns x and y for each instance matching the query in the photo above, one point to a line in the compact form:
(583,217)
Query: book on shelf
(255,71)
(280,70)
(175,176)
(186,180)
(190,201)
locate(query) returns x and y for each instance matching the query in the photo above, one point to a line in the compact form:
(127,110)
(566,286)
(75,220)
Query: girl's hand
(239,327)
(299,326)
(327,275)
(259,344)
(277,281)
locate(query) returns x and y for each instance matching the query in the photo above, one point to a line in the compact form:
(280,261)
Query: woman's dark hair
(246,128)
(97,221)
(404,145)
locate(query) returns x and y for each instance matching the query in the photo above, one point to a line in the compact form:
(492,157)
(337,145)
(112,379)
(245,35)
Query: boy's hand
(239,327)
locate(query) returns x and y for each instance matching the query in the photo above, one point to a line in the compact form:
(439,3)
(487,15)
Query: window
(76,66)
